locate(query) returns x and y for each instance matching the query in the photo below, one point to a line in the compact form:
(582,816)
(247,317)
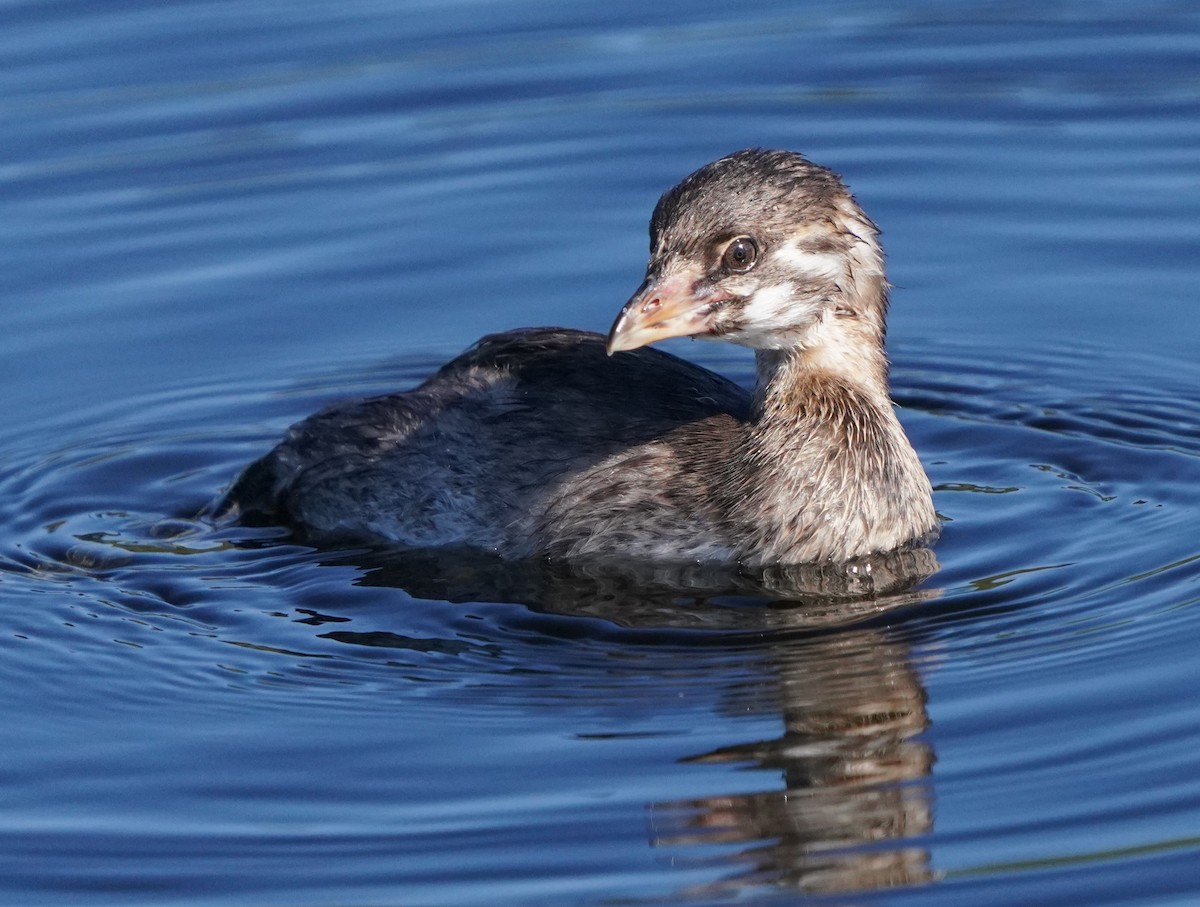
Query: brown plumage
(537,443)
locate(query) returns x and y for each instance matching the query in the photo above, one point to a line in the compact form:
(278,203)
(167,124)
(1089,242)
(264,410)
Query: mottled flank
(537,443)
(493,450)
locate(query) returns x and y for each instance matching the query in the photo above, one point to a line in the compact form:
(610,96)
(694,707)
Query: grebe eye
(740,255)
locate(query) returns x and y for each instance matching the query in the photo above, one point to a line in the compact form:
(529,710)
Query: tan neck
(840,347)
(828,471)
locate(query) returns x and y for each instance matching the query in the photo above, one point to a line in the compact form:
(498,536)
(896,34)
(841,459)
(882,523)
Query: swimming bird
(558,443)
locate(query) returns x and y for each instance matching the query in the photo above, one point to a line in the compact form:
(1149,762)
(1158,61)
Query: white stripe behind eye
(822,265)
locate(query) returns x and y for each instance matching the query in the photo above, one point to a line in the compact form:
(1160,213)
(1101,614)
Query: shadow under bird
(558,443)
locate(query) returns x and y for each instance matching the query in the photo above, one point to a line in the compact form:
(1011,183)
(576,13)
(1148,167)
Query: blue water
(219,216)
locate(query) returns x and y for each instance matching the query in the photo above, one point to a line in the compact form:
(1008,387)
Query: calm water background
(218,216)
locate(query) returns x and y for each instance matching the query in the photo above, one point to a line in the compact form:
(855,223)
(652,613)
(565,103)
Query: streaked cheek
(774,305)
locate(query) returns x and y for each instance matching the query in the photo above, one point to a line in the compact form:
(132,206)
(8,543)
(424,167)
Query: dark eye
(740,255)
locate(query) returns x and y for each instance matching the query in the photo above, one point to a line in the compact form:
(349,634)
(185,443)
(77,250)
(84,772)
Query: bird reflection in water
(854,766)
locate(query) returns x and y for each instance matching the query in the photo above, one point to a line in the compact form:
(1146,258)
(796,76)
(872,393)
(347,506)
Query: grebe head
(764,249)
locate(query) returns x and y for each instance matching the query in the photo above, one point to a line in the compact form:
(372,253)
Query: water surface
(219,217)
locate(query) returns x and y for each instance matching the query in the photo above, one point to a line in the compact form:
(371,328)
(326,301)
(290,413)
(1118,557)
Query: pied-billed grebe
(543,442)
